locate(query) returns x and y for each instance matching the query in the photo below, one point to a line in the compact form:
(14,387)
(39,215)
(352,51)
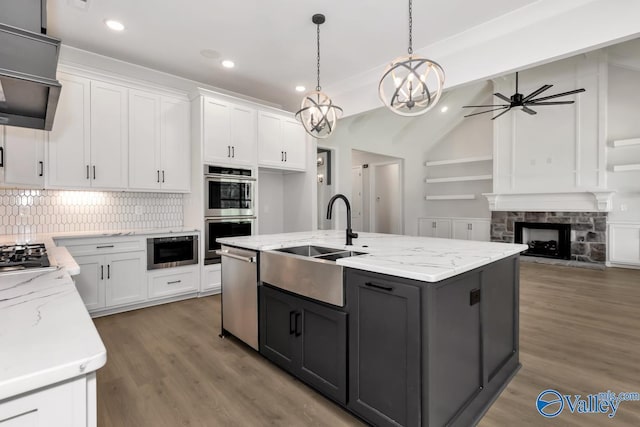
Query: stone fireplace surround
(588,230)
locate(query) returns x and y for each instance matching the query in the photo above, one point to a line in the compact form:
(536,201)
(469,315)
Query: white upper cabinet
(281,142)
(109,136)
(69,140)
(159,149)
(175,147)
(229,133)
(22,157)
(144,135)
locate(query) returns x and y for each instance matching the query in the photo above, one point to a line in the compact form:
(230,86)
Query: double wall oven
(229,208)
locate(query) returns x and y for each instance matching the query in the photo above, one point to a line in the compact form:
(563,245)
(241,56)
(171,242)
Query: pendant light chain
(410,27)
(318,88)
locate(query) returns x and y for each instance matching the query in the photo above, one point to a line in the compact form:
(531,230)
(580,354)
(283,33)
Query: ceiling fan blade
(571,92)
(501,96)
(550,103)
(536,93)
(529,110)
(487,106)
(508,109)
(486,111)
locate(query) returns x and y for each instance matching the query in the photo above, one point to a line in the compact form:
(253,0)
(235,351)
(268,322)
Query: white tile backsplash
(50,211)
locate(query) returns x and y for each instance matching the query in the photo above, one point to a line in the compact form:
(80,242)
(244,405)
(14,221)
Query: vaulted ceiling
(273,42)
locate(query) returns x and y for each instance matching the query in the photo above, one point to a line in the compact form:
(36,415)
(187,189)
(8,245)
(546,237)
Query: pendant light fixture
(411,85)
(318,113)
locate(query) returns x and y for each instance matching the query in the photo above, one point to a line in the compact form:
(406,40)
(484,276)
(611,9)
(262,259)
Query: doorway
(377,193)
(326,160)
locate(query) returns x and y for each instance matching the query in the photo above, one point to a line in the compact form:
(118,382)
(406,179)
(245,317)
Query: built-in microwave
(228,192)
(215,228)
(172,251)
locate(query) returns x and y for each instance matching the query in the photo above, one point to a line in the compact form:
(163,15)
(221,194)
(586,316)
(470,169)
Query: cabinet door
(109,136)
(270,148)
(278,319)
(384,349)
(91,280)
(243,135)
(294,145)
(461,229)
(69,140)
(23,157)
(625,243)
(175,125)
(427,227)
(443,228)
(216,131)
(480,230)
(144,140)
(323,349)
(125,278)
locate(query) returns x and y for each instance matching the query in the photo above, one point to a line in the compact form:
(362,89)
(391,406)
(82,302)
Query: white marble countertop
(39,237)
(46,334)
(421,258)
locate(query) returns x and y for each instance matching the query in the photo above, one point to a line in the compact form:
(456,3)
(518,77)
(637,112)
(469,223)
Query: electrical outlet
(623,207)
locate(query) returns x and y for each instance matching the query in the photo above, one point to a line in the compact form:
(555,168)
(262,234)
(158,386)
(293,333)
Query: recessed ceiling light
(114,25)
(300,88)
(444,109)
(227,63)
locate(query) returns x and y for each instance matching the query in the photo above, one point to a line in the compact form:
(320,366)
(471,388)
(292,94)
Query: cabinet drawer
(172,284)
(102,246)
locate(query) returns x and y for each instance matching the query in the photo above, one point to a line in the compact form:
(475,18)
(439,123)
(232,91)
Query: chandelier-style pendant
(318,114)
(411,85)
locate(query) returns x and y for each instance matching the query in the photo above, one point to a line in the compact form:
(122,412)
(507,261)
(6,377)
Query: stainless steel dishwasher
(240,294)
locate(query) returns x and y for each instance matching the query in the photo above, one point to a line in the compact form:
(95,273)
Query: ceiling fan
(519,100)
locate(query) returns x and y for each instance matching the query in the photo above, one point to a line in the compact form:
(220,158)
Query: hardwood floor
(579,334)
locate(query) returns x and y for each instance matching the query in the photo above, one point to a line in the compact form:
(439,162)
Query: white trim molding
(576,201)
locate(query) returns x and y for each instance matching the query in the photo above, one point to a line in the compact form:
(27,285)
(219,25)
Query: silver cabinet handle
(173,282)
(234,256)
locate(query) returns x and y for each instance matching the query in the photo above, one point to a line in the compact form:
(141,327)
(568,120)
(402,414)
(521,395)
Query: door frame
(372,190)
(334,176)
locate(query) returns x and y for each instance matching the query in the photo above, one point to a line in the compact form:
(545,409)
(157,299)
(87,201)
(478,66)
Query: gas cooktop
(22,257)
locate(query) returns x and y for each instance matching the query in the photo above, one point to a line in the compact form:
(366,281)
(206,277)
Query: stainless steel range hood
(29,90)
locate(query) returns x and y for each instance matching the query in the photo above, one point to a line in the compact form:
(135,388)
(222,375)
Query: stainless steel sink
(310,271)
(308,250)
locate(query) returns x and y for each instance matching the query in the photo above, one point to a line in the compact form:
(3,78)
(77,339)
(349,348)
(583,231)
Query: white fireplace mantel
(575,201)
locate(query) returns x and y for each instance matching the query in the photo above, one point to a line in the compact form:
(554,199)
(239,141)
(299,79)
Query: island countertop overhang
(425,259)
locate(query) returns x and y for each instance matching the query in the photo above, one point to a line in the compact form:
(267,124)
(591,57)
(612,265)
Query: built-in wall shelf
(627,168)
(625,142)
(452,197)
(459,161)
(458,179)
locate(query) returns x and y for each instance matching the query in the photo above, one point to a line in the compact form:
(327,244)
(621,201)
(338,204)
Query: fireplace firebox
(546,240)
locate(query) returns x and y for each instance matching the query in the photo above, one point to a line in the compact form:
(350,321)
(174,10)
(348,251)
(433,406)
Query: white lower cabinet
(70,404)
(212,280)
(111,280)
(455,228)
(174,281)
(435,227)
(624,244)
(471,229)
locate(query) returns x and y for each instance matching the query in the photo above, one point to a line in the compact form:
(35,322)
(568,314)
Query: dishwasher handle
(227,253)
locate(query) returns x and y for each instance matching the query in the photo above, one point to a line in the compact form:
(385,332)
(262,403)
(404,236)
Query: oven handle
(234,256)
(228,178)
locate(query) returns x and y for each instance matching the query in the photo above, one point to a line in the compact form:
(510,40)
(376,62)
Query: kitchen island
(425,334)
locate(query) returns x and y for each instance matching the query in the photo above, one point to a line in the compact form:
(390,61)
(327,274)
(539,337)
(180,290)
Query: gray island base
(401,351)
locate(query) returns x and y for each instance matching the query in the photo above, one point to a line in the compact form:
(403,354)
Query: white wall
(271,202)
(624,123)
(473,137)
(562,148)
